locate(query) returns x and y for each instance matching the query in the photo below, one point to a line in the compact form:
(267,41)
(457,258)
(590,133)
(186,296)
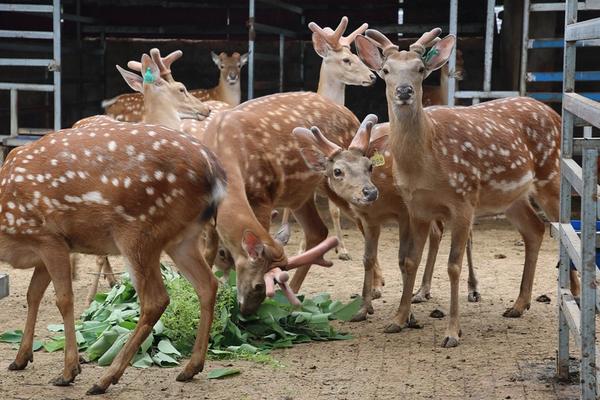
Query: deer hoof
(393,328)
(512,313)
(361,315)
(184,376)
(95,390)
(421,297)
(474,297)
(344,256)
(450,341)
(15,366)
(61,381)
(376,293)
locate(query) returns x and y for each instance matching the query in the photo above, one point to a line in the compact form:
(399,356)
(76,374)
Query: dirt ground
(498,358)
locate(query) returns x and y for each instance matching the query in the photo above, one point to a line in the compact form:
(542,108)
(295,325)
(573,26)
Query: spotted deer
(451,164)
(109,187)
(129,107)
(229,89)
(340,67)
(354,171)
(266,170)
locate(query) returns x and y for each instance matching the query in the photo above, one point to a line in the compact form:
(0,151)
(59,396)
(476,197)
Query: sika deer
(349,173)
(129,107)
(340,67)
(228,90)
(109,187)
(451,164)
(266,170)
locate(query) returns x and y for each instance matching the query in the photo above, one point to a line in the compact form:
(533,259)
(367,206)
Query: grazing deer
(129,107)
(229,89)
(340,67)
(451,164)
(351,173)
(266,170)
(113,188)
(438,95)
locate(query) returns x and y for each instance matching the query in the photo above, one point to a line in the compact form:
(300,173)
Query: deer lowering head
(166,101)
(404,71)
(348,171)
(340,66)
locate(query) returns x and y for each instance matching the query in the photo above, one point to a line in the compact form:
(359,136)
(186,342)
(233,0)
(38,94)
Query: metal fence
(577,251)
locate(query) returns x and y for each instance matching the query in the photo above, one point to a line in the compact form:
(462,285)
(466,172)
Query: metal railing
(576,251)
(53,65)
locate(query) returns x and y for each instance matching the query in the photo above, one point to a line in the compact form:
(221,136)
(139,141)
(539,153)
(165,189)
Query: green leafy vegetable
(110,320)
(220,373)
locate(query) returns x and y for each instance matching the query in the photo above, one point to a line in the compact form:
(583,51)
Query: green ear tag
(148,77)
(430,54)
(377,159)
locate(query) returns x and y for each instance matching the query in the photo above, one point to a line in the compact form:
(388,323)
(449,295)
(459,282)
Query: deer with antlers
(113,188)
(451,164)
(354,171)
(340,67)
(129,107)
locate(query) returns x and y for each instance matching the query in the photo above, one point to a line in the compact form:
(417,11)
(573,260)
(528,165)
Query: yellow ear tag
(377,159)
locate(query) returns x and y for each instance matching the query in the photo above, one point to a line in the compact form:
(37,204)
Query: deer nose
(370,193)
(404,92)
(373,78)
(259,287)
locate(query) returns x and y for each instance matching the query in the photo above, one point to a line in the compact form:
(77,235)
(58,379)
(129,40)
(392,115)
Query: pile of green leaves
(109,321)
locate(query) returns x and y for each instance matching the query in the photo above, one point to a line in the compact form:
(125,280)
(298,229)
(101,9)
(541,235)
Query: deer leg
(435,236)
(211,243)
(284,233)
(58,264)
(531,227)
(147,279)
(378,280)
(460,236)
(191,264)
(474,295)
(371,234)
(37,287)
(109,274)
(334,210)
(315,231)
(411,248)
(94,288)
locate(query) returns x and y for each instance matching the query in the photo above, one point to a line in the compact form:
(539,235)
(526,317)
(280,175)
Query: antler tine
(381,41)
(341,28)
(134,66)
(315,137)
(164,63)
(333,38)
(363,136)
(426,40)
(347,40)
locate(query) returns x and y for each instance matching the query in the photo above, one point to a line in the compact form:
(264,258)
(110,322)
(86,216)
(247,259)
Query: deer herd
(198,174)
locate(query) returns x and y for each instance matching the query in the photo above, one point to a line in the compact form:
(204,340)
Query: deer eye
(337,172)
(421,70)
(370,167)
(346,61)
(385,71)
(182,90)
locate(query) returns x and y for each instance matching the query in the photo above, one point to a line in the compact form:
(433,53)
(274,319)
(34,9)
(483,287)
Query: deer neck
(330,87)
(411,136)
(229,93)
(160,113)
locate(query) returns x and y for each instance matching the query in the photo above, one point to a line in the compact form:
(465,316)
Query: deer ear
(252,245)
(314,159)
(133,80)
(243,59)
(377,145)
(150,71)
(368,53)
(320,45)
(439,54)
(216,59)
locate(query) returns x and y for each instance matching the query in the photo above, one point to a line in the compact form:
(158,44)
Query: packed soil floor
(498,358)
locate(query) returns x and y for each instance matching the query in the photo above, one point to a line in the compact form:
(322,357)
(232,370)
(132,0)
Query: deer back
(128,107)
(107,178)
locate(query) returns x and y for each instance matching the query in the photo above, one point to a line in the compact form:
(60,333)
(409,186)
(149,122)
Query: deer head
(266,264)
(348,171)
(338,60)
(229,66)
(164,98)
(404,71)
